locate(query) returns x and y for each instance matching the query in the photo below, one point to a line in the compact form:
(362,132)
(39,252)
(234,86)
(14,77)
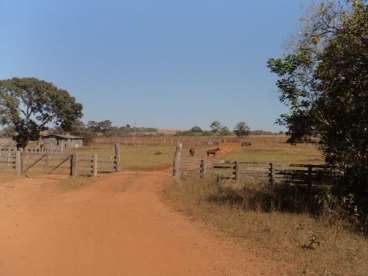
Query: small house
(65,141)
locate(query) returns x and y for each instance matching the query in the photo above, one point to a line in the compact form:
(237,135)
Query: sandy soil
(114,226)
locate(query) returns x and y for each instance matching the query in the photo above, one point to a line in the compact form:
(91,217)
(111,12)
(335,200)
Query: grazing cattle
(213,152)
(246,144)
(192,151)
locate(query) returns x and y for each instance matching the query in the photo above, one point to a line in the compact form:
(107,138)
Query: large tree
(216,127)
(100,127)
(242,129)
(324,81)
(30,105)
(196,129)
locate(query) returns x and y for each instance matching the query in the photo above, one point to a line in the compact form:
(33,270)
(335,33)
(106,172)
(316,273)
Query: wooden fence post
(177,160)
(95,165)
(74,165)
(236,171)
(46,162)
(309,182)
(23,155)
(202,169)
(18,163)
(117,157)
(8,158)
(272,185)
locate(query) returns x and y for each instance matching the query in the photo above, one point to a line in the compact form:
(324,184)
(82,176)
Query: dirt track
(115,226)
(229,147)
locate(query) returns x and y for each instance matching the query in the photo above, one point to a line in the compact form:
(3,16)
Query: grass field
(266,148)
(142,157)
(139,157)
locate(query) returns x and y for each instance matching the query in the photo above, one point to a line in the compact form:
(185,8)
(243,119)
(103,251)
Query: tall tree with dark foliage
(324,81)
(30,105)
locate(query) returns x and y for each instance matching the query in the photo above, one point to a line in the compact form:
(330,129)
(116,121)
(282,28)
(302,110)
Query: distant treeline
(105,128)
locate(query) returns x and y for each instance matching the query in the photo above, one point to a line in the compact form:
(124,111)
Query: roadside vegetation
(323,244)
(312,246)
(323,79)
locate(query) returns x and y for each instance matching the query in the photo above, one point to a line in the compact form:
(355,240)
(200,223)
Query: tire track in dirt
(115,226)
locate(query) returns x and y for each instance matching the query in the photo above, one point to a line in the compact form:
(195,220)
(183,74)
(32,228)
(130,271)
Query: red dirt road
(114,226)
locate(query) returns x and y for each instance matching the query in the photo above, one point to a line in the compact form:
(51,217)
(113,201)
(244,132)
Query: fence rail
(238,170)
(308,175)
(49,162)
(40,149)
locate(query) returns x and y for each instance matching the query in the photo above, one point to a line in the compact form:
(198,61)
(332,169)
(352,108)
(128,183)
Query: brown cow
(246,144)
(192,151)
(213,152)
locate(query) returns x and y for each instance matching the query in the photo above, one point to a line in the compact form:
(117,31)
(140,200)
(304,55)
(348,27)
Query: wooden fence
(272,173)
(48,162)
(48,149)
(7,158)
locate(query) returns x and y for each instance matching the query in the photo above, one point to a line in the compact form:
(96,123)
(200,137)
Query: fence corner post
(272,185)
(236,171)
(95,165)
(19,163)
(117,157)
(177,160)
(202,169)
(310,171)
(74,165)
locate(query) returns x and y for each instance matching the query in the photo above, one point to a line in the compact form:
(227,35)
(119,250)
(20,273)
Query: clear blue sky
(160,63)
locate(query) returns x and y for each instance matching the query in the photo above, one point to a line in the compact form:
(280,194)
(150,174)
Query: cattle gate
(56,162)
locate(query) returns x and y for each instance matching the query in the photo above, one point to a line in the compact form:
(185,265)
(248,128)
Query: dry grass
(275,149)
(140,157)
(311,246)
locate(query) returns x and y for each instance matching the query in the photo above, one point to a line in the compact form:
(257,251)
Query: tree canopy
(103,127)
(196,129)
(216,127)
(324,81)
(30,105)
(242,129)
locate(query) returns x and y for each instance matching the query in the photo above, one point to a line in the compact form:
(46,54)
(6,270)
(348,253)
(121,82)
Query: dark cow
(192,151)
(213,152)
(246,144)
